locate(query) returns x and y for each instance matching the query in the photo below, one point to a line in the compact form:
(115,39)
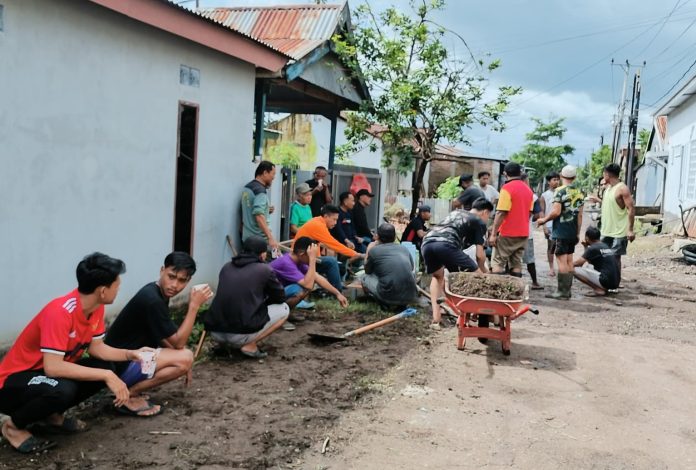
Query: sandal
(258,354)
(33,445)
(69,426)
(124,410)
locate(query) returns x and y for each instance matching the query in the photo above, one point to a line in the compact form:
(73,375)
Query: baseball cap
(302,188)
(424,208)
(364,192)
(569,171)
(255,245)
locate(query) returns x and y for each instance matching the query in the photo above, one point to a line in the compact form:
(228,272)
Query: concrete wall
(88,126)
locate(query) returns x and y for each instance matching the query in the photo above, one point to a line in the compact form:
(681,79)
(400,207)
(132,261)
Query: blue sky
(560,52)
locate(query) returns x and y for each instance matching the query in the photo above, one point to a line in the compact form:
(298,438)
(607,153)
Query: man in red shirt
(43,374)
(511,226)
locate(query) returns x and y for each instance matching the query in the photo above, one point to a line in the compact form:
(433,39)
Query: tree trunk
(417,183)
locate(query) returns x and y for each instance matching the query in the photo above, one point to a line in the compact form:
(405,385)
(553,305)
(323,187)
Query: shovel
(326,338)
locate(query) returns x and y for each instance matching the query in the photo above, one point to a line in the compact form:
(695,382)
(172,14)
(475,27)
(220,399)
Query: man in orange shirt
(511,226)
(317,228)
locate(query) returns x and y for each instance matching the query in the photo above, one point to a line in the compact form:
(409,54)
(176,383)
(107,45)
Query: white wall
(681,128)
(88,126)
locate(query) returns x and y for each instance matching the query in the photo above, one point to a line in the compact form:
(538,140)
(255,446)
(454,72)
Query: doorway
(185,177)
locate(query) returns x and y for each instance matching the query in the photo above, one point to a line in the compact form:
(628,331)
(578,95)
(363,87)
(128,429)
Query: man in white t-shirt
(553,180)
(491,193)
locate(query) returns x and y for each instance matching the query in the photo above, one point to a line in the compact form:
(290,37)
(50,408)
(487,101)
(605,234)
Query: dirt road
(592,383)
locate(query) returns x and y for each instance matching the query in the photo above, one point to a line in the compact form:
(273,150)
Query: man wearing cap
(389,275)
(362,227)
(469,194)
(566,214)
(511,225)
(250,301)
(300,210)
(415,230)
(321,191)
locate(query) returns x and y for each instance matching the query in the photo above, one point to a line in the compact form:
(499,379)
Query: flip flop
(69,426)
(538,287)
(33,445)
(258,354)
(136,412)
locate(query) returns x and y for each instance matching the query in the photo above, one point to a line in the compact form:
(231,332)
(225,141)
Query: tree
(538,154)
(643,139)
(591,173)
(421,94)
(285,154)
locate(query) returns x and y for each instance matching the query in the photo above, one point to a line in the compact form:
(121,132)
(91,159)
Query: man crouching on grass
(145,321)
(44,374)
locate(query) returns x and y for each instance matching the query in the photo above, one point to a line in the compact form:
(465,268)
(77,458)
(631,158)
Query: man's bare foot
(552,273)
(13,434)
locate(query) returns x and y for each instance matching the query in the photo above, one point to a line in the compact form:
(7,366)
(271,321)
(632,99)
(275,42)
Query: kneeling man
(145,321)
(389,275)
(250,301)
(604,273)
(44,373)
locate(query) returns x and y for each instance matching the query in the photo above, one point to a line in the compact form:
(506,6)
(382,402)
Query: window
(189,76)
(691,174)
(2,24)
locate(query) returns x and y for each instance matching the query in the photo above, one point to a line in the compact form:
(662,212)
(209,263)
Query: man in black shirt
(321,190)
(415,230)
(605,275)
(443,248)
(469,194)
(362,227)
(145,321)
(250,303)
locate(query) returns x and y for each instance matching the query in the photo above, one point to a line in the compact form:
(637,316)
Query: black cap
(424,208)
(363,192)
(255,245)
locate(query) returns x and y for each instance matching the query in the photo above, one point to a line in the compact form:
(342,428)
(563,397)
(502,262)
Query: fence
(439,208)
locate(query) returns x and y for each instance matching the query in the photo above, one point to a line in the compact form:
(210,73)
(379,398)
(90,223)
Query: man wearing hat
(250,301)
(415,230)
(300,210)
(566,214)
(362,227)
(389,273)
(469,194)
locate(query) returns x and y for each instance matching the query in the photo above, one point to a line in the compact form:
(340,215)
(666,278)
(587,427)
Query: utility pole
(618,123)
(633,133)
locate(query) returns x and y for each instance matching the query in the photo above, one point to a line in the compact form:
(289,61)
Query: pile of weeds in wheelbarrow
(486,286)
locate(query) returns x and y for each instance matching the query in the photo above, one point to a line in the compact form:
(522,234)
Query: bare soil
(242,413)
(484,286)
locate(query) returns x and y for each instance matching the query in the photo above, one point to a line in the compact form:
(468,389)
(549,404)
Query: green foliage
(285,154)
(421,94)
(590,174)
(643,138)
(539,154)
(449,189)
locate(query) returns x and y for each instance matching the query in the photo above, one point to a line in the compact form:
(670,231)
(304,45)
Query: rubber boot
(565,281)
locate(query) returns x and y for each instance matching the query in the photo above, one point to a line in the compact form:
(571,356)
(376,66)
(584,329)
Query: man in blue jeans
(297,272)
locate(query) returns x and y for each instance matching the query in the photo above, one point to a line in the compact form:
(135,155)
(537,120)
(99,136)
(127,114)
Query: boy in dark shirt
(145,321)
(605,275)
(415,230)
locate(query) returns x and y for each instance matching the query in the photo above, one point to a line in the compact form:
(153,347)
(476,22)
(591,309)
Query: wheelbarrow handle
(523,310)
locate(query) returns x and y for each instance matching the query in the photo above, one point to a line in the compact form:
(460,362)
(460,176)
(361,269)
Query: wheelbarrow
(506,310)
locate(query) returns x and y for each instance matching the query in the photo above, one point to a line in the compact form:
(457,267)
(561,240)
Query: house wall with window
(680,186)
(89,130)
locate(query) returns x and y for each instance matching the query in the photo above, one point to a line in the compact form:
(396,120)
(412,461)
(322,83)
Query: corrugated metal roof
(294,30)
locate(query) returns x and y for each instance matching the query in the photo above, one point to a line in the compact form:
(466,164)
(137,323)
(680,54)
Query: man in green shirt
(255,204)
(300,210)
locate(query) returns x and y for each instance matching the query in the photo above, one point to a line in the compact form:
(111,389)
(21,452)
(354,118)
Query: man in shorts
(443,248)
(618,214)
(566,214)
(603,276)
(250,303)
(553,180)
(528,257)
(511,226)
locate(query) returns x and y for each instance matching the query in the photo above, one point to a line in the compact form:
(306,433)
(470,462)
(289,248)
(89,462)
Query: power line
(675,84)
(662,26)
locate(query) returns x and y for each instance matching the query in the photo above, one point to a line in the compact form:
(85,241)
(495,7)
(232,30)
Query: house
(126,129)
(668,175)
(451,161)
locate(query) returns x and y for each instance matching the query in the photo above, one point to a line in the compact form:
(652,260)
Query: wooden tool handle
(406,313)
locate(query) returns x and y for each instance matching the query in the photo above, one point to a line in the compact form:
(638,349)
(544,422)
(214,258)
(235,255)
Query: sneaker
(296,317)
(305,305)
(287,326)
